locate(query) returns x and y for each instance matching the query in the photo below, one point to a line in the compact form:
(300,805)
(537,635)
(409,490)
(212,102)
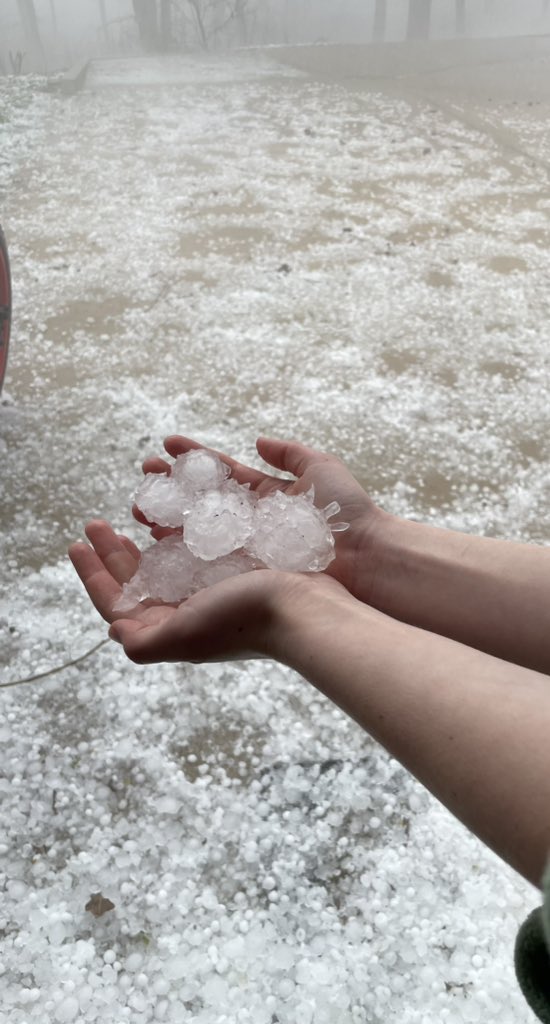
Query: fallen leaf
(98,905)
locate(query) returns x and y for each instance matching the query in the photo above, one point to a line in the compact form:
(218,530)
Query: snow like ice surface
(160,501)
(219,523)
(220,517)
(198,471)
(166,572)
(290,534)
(280,256)
(166,499)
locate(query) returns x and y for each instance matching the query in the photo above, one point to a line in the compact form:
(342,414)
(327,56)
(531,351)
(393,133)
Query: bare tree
(198,11)
(103,16)
(380,19)
(16,61)
(241,11)
(146,16)
(211,23)
(54,16)
(419,19)
(30,27)
(166,36)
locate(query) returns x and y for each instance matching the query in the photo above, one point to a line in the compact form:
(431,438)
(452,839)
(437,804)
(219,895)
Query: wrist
(369,561)
(305,612)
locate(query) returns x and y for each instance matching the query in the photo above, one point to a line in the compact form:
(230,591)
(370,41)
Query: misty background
(50,35)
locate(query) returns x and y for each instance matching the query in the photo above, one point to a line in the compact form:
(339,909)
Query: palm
(226,621)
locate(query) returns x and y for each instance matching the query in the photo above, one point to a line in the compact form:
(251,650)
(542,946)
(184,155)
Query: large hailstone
(199,470)
(165,573)
(291,534)
(220,521)
(160,500)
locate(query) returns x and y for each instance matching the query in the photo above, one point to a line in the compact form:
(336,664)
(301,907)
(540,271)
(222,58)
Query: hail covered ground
(232,247)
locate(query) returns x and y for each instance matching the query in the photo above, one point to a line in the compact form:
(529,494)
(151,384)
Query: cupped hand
(354,563)
(235,619)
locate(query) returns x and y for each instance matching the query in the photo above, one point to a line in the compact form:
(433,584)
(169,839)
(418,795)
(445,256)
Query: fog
(47,35)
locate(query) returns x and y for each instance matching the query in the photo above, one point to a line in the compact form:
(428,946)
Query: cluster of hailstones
(222,528)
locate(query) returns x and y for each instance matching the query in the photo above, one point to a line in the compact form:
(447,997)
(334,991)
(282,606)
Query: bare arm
(490,594)
(473,729)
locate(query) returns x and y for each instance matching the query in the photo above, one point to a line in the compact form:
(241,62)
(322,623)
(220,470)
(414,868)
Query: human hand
(354,563)
(235,619)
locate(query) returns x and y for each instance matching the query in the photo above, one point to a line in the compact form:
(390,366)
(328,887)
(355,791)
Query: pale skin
(436,643)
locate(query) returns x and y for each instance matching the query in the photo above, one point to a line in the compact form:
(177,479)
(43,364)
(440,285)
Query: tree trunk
(103,16)
(240,15)
(461,17)
(30,28)
(286,34)
(54,17)
(146,16)
(419,19)
(166,37)
(380,18)
(195,4)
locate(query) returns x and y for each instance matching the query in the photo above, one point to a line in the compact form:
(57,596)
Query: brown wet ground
(465,82)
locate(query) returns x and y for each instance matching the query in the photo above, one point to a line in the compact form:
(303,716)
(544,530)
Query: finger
(122,629)
(178,445)
(149,639)
(130,546)
(138,514)
(116,557)
(290,456)
(154,464)
(102,589)
(158,532)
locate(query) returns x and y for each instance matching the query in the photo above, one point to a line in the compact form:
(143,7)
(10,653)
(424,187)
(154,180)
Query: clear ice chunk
(160,500)
(165,573)
(219,523)
(220,569)
(291,534)
(332,509)
(199,470)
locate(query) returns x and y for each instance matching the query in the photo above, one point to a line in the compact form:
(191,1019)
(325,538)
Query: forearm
(490,594)
(473,729)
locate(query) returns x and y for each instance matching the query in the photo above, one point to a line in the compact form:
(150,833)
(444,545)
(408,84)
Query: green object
(532,956)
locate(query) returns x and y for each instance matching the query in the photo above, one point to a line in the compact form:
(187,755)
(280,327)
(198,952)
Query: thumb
(139,640)
(160,639)
(290,456)
(122,629)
